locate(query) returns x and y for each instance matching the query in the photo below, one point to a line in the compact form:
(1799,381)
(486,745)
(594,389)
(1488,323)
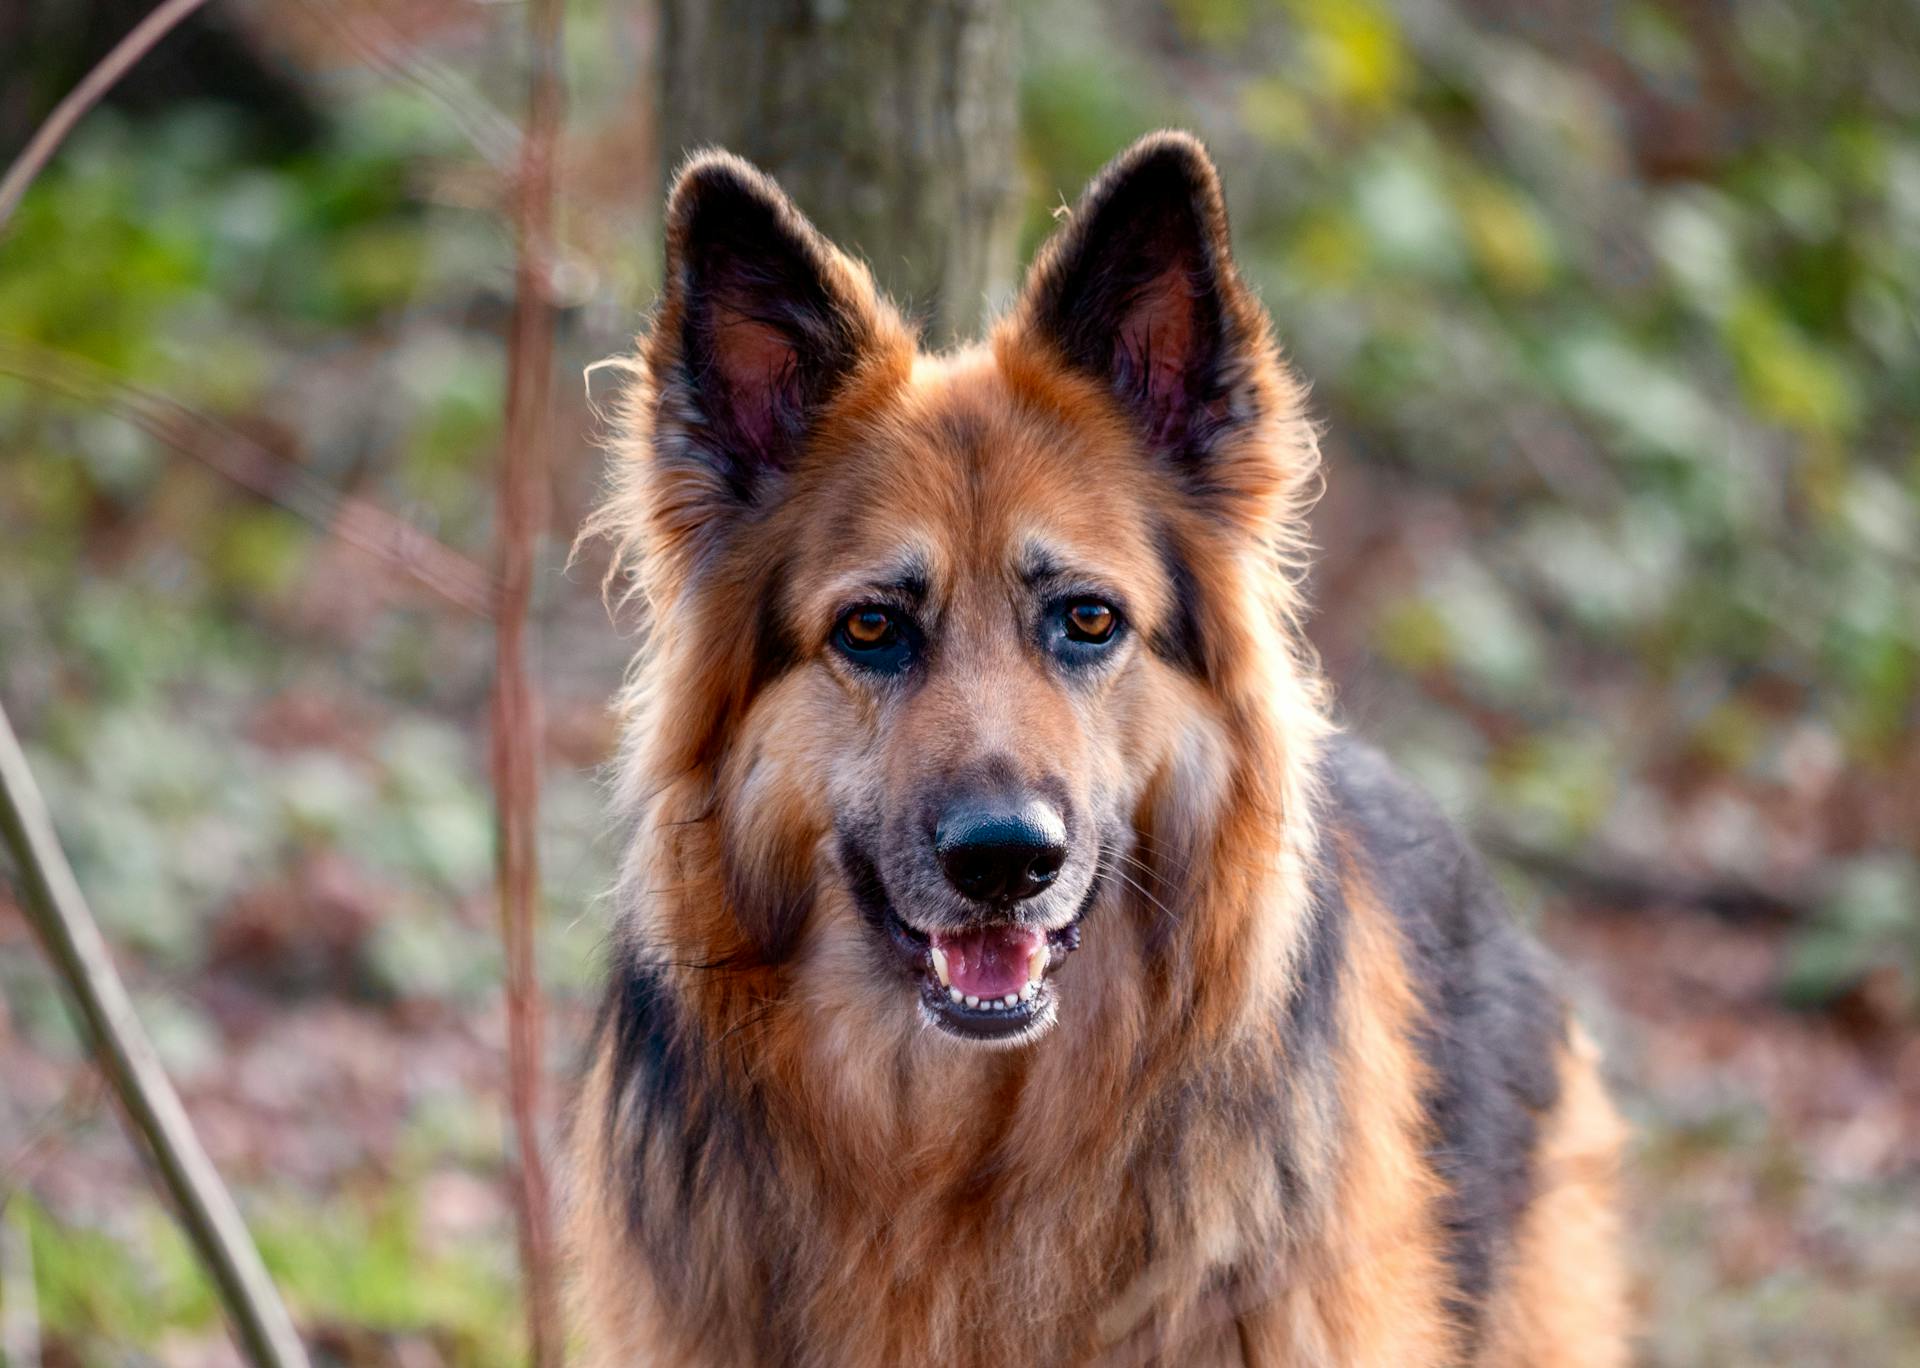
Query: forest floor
(1775,1179)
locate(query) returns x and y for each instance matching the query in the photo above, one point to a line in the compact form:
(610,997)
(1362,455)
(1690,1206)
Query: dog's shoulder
(1470,960)
(1493,1025)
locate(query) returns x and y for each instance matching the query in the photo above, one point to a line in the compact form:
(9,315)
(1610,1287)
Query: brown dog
(1011,967)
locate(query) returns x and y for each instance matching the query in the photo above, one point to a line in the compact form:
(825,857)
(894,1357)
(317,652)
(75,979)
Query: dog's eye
(869,629)
(1090,620)
(875,638)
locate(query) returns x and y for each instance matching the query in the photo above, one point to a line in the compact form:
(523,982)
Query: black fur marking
(775,648)
(670,1109)
(864,882)
(653,1072)
(666,1096)
(913,582)
(1493,1026)
(1178,640)
(1037,567)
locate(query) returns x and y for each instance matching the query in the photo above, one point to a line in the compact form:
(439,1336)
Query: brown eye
(1090,620)
(868,629)
(876,639)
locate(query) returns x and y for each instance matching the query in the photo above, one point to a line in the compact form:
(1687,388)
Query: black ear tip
(1169,161)
(714,188)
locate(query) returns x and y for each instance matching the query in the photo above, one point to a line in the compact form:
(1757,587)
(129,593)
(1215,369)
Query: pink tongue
(989,963)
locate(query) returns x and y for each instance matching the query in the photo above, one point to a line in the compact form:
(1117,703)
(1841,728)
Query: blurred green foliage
(352,1269)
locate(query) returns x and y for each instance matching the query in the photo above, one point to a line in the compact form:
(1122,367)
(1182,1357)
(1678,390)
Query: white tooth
(972,1001)
(1037,961)
(1026,993)
(953,993)
(940,963)
(1009,1000)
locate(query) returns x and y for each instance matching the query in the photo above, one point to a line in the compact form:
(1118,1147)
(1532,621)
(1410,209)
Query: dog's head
(945,649)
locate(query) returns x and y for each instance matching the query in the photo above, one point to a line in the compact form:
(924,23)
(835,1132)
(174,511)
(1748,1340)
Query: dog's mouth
(989,982)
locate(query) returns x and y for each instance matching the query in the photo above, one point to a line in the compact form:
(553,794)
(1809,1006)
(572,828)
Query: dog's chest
(1114,1267)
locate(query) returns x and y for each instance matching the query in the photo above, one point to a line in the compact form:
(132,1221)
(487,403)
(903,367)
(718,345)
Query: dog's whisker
(1166,912)
(1160,853)
(1149,870)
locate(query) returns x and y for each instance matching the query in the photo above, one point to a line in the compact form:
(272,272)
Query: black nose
(1000,853)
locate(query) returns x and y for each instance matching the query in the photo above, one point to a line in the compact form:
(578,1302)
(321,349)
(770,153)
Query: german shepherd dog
(1011,964)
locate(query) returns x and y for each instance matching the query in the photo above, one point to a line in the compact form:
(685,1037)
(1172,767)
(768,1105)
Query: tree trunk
(890,122)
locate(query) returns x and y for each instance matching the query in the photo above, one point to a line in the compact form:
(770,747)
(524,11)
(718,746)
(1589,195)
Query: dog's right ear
(761,323)
(1138,291)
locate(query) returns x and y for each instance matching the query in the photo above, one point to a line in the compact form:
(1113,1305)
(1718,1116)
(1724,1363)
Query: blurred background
(1611,310)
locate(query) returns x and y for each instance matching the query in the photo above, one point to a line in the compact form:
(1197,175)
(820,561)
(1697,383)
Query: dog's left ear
(762,322)
(1139,291)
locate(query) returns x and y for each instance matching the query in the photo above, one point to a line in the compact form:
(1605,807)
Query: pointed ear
(1139,291)
(761,322)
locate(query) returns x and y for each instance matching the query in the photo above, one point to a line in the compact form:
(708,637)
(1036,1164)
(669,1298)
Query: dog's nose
(1000,853)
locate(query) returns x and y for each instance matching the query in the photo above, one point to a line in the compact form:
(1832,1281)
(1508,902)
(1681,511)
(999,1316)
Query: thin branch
(60,918)
(516,707)
(233,455)
(141,40)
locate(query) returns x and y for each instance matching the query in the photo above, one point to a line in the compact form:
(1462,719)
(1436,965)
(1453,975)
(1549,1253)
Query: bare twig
(238,458)
(60,918)
(141,40)
(516,728)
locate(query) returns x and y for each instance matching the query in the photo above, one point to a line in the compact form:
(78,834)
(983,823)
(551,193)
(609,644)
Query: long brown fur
(1224,1151)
